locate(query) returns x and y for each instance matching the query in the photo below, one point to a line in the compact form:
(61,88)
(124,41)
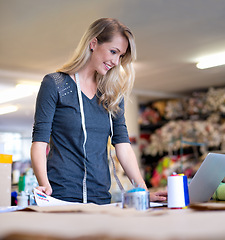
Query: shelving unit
(176,134)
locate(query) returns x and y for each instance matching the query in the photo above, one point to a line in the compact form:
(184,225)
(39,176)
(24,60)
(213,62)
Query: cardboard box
(5,179)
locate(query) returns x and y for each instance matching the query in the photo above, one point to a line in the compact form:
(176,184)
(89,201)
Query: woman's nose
(116,60)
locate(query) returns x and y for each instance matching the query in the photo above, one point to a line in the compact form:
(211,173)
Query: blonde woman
(78,108)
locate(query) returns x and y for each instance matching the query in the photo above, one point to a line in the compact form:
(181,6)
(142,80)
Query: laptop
(207,178)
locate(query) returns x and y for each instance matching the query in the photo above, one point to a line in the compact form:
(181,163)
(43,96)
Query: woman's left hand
(158,196)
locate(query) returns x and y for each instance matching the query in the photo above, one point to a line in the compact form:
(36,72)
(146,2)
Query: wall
(131,115)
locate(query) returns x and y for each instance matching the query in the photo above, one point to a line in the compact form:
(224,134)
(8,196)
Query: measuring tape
(85,139)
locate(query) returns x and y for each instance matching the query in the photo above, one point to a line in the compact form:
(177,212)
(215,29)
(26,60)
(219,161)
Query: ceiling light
(20,91)
(13,94)
(8,109)
(211,61)
(30,87)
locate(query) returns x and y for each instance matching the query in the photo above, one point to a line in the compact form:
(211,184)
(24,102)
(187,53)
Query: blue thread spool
(137,198)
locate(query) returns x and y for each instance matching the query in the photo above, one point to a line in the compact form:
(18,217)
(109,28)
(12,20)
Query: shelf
(152,127)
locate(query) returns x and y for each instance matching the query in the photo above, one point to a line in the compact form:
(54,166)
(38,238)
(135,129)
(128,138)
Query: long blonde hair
(118,81)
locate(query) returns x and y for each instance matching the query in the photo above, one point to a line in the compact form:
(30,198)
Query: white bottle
(22,200)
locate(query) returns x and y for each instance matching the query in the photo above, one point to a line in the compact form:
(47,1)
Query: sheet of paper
(152,204)
(10,209)
(44,200)
(157,204)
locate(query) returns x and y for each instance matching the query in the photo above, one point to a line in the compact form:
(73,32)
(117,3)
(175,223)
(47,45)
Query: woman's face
(107,55)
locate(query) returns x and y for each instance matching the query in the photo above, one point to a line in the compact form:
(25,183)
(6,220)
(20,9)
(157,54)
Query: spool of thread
(137,198)
(177,187)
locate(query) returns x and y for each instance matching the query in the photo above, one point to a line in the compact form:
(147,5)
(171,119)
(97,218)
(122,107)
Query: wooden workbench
(112,223)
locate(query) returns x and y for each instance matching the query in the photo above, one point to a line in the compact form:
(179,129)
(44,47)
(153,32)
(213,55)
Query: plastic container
(137,198)
(22,200)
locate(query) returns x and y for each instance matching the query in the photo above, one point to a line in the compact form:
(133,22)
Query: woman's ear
(93,43)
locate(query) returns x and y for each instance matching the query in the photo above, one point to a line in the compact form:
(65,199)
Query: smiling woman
(78,108)
(118,42)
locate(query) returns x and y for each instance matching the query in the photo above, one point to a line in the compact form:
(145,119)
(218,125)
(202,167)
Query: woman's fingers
(158,196)
(46,190)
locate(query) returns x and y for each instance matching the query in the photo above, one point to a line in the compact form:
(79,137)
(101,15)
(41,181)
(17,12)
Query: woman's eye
(113,51)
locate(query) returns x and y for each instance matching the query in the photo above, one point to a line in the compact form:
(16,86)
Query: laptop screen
(207,178)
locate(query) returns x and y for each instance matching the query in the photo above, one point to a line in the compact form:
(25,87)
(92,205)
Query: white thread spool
(178,196)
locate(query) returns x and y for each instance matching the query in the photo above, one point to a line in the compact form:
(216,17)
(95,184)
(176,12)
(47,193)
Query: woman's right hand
(47,190)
